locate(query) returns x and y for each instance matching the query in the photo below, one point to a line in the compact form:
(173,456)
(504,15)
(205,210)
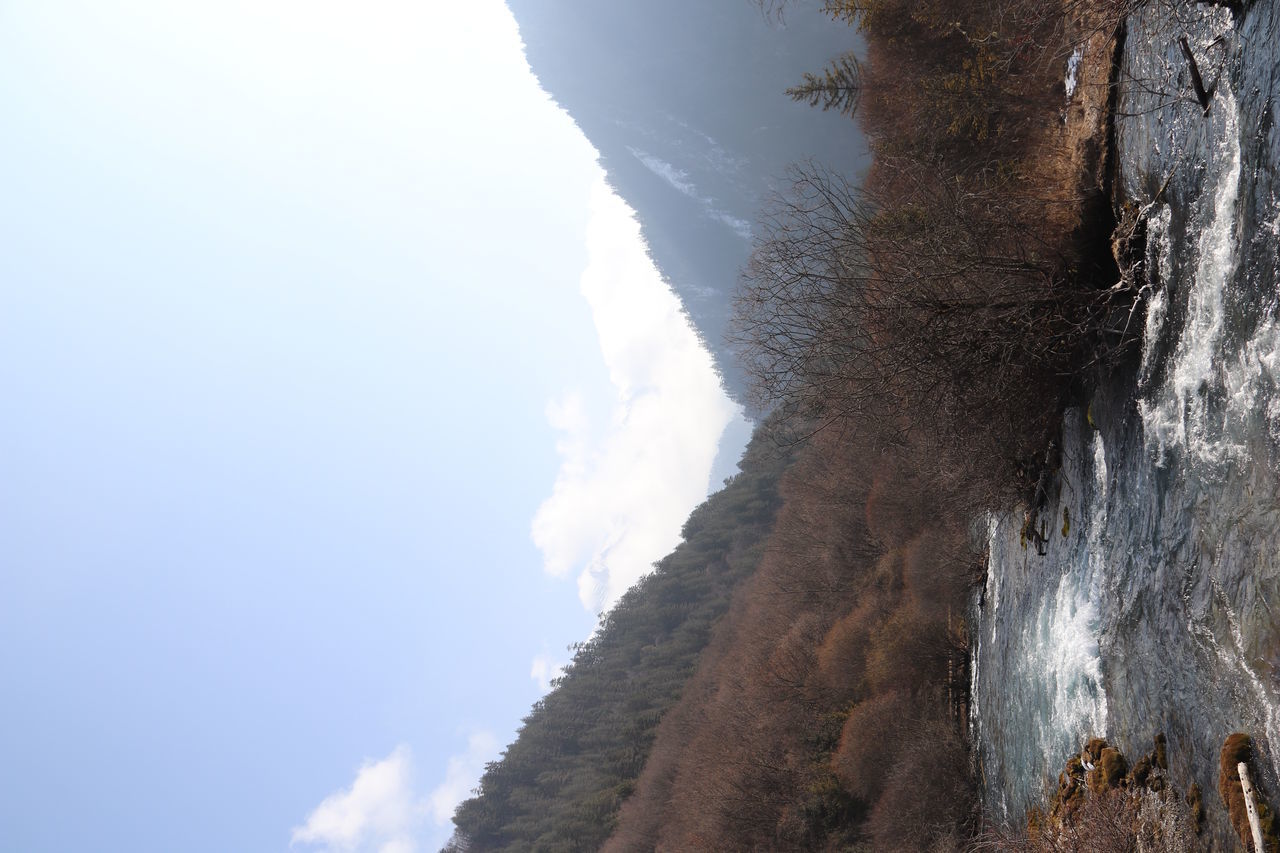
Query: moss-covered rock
(1141,771)
(1195,802)
(1238,749)
(1101,802)
(1108,771)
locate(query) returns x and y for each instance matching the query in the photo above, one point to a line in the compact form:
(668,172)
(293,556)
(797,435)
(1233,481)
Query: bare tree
(917,303)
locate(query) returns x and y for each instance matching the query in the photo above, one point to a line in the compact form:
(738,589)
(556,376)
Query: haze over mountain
(686,105)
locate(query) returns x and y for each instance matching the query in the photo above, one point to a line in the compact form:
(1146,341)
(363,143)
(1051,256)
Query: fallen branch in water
(1197,82)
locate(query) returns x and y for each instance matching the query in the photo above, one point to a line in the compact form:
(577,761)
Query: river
(1155,606)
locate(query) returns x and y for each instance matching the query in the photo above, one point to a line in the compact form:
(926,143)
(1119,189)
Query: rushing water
(1157,604)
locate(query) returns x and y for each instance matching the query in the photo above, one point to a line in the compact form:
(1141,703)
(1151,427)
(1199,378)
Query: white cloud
(382,813)
(545,669)
(398,845)
(377,813)
(462,775)
(621,497)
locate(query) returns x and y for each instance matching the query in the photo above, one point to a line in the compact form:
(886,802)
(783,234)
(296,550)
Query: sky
(340,397)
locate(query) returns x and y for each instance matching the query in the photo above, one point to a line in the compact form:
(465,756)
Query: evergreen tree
(838,87)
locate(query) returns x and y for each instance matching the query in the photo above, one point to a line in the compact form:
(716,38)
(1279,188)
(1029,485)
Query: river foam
(1181,413)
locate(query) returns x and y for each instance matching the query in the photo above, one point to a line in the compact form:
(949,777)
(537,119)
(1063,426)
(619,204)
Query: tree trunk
(1250,806)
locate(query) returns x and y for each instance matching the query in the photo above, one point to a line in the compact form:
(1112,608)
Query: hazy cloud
(625,486)
(740,226)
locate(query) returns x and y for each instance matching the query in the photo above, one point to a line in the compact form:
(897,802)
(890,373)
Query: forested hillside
(829,711)
(576,758)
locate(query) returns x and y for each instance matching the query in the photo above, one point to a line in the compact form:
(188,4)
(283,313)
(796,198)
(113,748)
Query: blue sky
(340,396)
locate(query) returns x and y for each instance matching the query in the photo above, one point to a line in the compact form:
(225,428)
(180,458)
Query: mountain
(685,103)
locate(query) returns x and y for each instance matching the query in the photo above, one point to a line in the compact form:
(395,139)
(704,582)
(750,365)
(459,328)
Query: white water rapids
(1157,605)
(1180,412)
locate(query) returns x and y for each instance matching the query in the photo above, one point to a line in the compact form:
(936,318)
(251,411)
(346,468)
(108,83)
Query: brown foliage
(936,312)
(938,566)
(842,656)
(764,750)
(897,506)
(791,663)
(949,303)
(871,739)
(909,651)
(927,802)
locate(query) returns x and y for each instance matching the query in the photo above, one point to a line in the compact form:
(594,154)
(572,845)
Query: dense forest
(829,709)
(560,785)
(917,332)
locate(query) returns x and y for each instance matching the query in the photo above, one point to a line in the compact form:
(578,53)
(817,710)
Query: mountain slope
(560,785)
(685,103)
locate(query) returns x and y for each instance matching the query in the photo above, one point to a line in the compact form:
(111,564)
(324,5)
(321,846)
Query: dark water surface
(1158,608)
